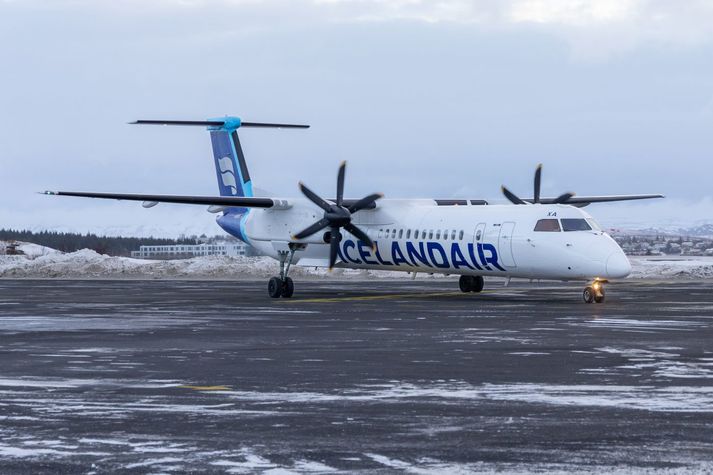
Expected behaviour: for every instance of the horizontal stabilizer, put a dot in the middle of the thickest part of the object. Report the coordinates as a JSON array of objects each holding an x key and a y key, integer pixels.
[{"x": 230, "y": 121}]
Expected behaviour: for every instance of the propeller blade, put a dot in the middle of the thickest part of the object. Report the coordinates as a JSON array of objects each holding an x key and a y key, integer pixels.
[
  {"x": 365, "y": 202},
  {"x": 315, "y": 198},
  {"x": 361, "y": 235},
  {"x": 333, "y": 245},
  {"x": 563, "y": 198},
  {"x": 512, "y": 196},
  {"x": 538, "y": 179},
  {"x": 310, "y": 230},
  {"x": 340, "y": 183}
]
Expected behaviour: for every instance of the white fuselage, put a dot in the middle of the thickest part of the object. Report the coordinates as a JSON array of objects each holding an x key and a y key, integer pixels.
[{"x": 421, "y": 236}]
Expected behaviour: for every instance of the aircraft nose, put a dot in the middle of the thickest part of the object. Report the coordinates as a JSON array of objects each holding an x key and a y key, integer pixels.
[{"x": 618, "y": 266}]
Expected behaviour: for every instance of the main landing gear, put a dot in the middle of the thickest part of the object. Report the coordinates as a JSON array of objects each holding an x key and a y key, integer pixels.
[
  {"x": 594, "y": 292},
  {"x": 471, "y": 283},
  {"x": 283, "y": 286}
]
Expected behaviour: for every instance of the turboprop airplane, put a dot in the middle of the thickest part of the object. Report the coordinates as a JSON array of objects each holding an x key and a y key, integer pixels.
[{"x": 534, "y": 238}]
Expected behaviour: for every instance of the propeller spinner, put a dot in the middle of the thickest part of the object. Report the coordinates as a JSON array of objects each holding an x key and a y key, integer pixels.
[
  {"x": 561, "y": 199},
  {"x": 337, "y": 216}
]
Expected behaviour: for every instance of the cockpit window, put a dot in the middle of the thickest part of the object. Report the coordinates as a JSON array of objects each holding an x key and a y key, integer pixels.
[
  {"x": 595, "y": 226},
  {"x": 575, "y": 224},
  {"x": 549, "y": 225}
]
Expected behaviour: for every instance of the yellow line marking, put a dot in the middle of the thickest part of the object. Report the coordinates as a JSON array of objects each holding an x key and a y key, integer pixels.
[
  {"x": 206, "y": 388},
  {"x": 377, "y": 297}
]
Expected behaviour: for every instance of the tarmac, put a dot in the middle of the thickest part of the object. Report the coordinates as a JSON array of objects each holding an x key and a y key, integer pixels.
[{"x": 153, "y": 376}]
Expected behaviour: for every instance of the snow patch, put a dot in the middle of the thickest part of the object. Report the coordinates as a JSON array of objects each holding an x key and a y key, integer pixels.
[
  {"x": 671, "y": 267},
  {"x": 89, "y": 264}
]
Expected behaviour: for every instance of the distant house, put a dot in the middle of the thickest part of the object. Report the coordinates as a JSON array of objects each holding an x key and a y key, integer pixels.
[{"x": 185, "y": 251}]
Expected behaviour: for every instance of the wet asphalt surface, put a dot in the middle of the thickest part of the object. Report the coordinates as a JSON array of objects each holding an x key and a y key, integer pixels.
[{"x": 175, "y": 376}]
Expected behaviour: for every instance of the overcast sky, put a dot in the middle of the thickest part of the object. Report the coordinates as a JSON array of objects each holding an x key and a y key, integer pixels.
[{"x": 424, "y": 99}]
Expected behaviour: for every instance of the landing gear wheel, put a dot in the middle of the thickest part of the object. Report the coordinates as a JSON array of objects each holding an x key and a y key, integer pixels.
[
  {"x": 466, "y": 283},
  {"x": 599, "y": 297},
  {"x": 274, "y": 287},
  {"x": 469, "y": 283},
  {"x": 588, "y": 295},
  {"x": 478, "y": 283},
  {"x": 288, "y": 288}
]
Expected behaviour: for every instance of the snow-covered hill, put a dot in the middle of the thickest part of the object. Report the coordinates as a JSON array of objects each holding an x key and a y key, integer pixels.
[
  {"x": 671, "y": 267},
  {"x": 89, "y": 264}
]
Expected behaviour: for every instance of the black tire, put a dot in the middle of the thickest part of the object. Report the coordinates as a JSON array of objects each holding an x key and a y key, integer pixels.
[
  {"x": 599, "y": 298},
  {"x": 288, "y": 288},
  {"x": 478, "y": 283},
  {"x": 588, "y": 295},
  {"x": 466, "y": 283},
  {"x": 274, "y": 287}
]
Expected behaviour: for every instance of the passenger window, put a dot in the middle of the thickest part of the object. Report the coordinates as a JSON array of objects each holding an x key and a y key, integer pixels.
[
  {"x": 415, "y": 234},
  {"x": 438, "y": 234},
  {"x": 460, "y": 235},
  {"x": 381, "y": 232},
  {"x": 453, "y": 235},
  {"x": 430, "y": 234},
  {"x": 401, "y": 233},
  {"x": 478, "y": 234},
  {"x": 547, "y": 225},
  {"x": 393, "y": 233},
  {"x": 408, "y": 234},
  {"x": 575, "y": 224}
]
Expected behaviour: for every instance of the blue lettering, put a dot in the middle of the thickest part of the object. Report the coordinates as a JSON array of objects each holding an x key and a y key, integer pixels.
[
  {"x": 482, "y": 257},
  {"x": 396, "y": 255},
  {"x": 493, "y": 258},
  {"x": 431, "y": 246},
  {"x": 457, "y": 258},
  {"x": 471, "y": 253},
  {"x": 347, "y": 244},
  {"x": 412, "y": 253},
  {"x": 364, "y": 252},
  {"x": 378, "y": 256}
]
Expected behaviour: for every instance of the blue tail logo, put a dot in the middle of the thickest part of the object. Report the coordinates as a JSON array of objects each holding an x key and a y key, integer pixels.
[
  {"x": 230, "y": 166},
  {"x": 227, "y": 174}
]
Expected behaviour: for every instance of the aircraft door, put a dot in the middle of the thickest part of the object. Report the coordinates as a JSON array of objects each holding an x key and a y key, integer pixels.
[{"x": 505, "y": 244}]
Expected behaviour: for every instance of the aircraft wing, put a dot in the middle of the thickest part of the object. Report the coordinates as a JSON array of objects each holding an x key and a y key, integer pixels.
[
  {"x": 227, "y": 201},
  {"x": 236, "y": 201},
  {"x": 581, "y": 201}
]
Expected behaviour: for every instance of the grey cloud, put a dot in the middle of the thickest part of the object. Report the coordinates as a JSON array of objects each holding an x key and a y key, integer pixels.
[{"x": 419, "y": 108}]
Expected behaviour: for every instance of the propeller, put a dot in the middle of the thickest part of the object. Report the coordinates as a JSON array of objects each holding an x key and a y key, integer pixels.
[
  {"x": 337, "y": 216},
  {"x": 563, "y": 198}
]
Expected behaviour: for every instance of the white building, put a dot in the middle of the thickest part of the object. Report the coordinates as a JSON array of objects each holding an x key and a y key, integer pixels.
[{"x": 179, "y": 251}]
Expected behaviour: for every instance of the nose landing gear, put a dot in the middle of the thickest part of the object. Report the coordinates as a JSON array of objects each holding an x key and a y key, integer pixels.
[
  {"x": 594, "y": 292},
  {"x": 470, "y": 283}
]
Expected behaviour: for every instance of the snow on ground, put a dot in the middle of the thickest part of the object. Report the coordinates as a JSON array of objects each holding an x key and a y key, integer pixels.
[
  {"x": 32, "y": 250},
  {"x": 671, "y": 267},
  {"x": 89, "y": 264},
  {"x": 43, "y": 262}
]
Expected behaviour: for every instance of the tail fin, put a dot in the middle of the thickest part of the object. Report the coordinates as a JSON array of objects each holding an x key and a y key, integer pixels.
[{"x": 230, "y": 166}]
